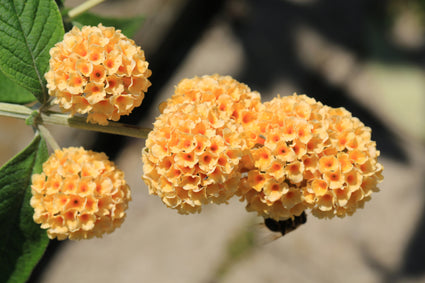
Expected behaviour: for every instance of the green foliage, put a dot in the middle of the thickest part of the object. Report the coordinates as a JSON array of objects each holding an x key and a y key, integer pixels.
[
  {"x": 28, "y": 29},
  {"x": 13, "y": 93},
  {"x": 22, "y": 242},
  {"x": 128, "y": 26}
]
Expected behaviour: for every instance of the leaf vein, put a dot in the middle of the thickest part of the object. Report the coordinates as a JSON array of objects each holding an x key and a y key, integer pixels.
[
  {"x": 43, "y": 90},
  {"x": 41, "y": 25},
  {"x": 17, "y": 54}
]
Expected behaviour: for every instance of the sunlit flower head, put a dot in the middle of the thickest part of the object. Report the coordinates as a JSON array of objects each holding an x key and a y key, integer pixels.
[
  {"x": 194, "y": 154},
  {"x": 347, "y": 171},
  {"x": 97, "y": 64},
  {"x": 79, "y": 195},
  {"x": 192, "y": 157},
  {"x": 278, "y": 141},
  {"x": 322, "y": 156}
]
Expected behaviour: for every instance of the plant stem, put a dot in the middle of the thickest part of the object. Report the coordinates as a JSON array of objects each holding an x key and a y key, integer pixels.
[
  {"x": 14, "y": 110},
  {"x": 83, "y": 7},
  {"x": 80, "y": 123},
  {"x": 51, "y": 118},
  {"x": 45, "y": 133}
]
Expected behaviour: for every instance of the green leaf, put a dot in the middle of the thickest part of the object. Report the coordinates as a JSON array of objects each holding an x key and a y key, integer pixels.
[
  {"x": 128, "y": 26},
  {"x": 13, "y": 93},
  {"x": 28, "y": 29},
  {"x": 22, "y": 242}
]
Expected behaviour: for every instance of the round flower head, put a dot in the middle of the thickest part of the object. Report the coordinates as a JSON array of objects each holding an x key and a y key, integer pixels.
[
  {"x": 80, "y": 194},
  {"x": 193, "y": 154},
  {"x": 191, "y": 158},
  {"x": 278, "y": 140},
  {"x": 304, "y": 155},
  {"x": 99, "y": 71},
  {"x": 346, "y": 171}
]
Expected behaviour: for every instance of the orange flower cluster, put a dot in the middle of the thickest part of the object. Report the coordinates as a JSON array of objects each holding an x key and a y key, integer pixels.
[
  {"x": 80, "y": 194},
  {"x": 99, "y": 71},
  {"x": 309, "y": 156},
  {"x": 232, "y": 99},
  {"x": 347, "y": 171},
  {"x": 278, "y": 146},
  {"x": 192, "y": 156},
  {"x": 215, "y": 139}
]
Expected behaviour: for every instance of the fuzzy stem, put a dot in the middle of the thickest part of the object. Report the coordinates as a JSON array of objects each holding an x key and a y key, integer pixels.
[
  {"x": 80, "y": 123},
  {"x": 14, "y": 110},
  {"x": 45, "y": 133},
  {"x": 51, "y": 118},
  {"x": 83, "y": 7}
]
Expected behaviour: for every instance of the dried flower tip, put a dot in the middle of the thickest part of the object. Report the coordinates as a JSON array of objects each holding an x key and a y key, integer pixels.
[
  {"x": 99, "y": 71},
  {"x": 79, "y": 195}
]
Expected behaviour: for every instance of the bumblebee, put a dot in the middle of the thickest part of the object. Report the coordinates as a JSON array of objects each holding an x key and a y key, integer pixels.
[{"x": 285, "y": 226}]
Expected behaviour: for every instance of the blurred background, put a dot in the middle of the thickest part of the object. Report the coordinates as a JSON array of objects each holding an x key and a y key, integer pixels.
[{"x": 365, "y": 55}]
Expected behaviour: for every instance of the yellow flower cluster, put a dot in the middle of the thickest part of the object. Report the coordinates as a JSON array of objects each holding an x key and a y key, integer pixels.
[
  {"x": 309, "y": 156},
  {"x": 278, "y": 146},
  {"x": 215, "y": 139},
  {"x": 232, "y": 99},
  {"x": 99, "y": 71},
  {"x": 347, "y": 170},
  {"x": 192, "y": 156},
  {"x": 80, "y": 194}
]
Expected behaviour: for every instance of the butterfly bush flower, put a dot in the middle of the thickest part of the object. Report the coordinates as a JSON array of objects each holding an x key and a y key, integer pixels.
[
  {"x": 279, "y": 140},
  {"x": 99, "y": 71},
  {"x": 79, "y": 195},
  {"x": 233, "y": 100},
  {"x": 346, "y": 171},
  {"x": 193, "y": 154},
  {"x": 214, "y": 138},
  {"x": 306, "y": 155}
]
